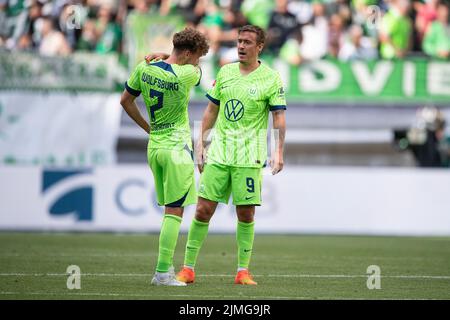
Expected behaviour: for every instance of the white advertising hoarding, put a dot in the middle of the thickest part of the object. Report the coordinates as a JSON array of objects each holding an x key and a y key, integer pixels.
[
  {"x": 59, "y": 129},
  {"x": 298, "y": 200}
]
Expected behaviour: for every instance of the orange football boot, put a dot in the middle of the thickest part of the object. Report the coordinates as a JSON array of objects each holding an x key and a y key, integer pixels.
[
  {"x": 244, "y": 277},
  {"x": 186, "y": 275}
]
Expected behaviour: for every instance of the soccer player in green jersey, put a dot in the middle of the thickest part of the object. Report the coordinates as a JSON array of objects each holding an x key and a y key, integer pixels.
[
  {"x": 165, "y": 87},
  {"x": 240, "y": 101}
]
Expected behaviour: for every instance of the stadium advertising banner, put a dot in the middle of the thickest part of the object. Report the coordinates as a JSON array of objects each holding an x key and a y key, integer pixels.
[
  {"x": 59, "y": 129},
  {"x": 324, "y": 200},
  {"x": 79, "y": 71},
  {"x": 416, "y": 80},
  {"x": 380, "y": 81}
]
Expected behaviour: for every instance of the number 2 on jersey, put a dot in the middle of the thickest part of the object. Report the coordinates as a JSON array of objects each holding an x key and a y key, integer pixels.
[{"x": 158, "y": 105}]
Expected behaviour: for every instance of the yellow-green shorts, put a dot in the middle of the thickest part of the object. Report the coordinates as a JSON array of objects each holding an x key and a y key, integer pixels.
[
  {"x": 173, "y": 172},
  {"x": 218, "y": 182}
]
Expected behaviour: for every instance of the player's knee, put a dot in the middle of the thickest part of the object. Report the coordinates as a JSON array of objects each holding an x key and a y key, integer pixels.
[
  {"x": 176, "y": 211},
  {"x": 245, "y": 214},
  {"x": 203, "y": 212},
  {"x": 247, "y": 218}
]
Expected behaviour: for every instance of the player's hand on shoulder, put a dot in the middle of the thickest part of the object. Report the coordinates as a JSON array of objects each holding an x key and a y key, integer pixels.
[{"x": 155, "y": 56}]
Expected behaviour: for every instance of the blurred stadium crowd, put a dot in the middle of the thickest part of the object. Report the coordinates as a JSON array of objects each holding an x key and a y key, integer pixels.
[{"x": 298, "y": 30}]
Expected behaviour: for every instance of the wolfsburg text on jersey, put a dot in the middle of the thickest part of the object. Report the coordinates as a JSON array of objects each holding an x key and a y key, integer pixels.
[{"x": 162, "y": 84}]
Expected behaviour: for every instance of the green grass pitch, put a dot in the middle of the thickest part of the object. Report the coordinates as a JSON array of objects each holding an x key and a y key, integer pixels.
[{"x": 33, "y": 266}]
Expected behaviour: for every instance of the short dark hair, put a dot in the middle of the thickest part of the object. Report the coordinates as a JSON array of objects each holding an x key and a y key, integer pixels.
[
  {"x": 260, "y": 33},
  {"x": 190, "y": 39}
]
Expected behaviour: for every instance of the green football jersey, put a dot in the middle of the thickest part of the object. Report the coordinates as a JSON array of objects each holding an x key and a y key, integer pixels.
[
  {"x": 399, "y": 29},
  {"x": 165, "y": 89},
  {"x": 240, "y": 132}
]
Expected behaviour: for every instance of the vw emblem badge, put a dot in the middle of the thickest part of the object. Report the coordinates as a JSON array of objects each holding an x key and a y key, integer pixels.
[{"x": 234, "y": 110}]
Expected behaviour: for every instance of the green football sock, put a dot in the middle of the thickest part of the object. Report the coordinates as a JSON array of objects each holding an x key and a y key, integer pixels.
[
  {"x": 244, "y": 236},
  {"x": 167, "y": 242},
  {"x": 197, "y": 233}
]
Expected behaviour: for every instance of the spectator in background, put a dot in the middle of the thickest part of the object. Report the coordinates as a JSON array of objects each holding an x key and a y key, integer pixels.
[
  {"x": 366, "y": 16},
  {"x": 335, "y": 35},
  {"x": 122, "y": 11},
  {"x": 71, "y": 18},
  {"x": 35, "y": 14},
  {"x": 25, "y": 43},
  {"x": 192, "y": 11},
  {"x": 234, "y": 20},
  {"x": 212, "y": 25},
  {"x": 57, "y": 7},
  {"x": 109, "y": 33},
  {"x": 140, "y": 6},
  {"x": 426, "y": 13},
  {"x": 53, "y": 42},
  {"x": 221, "y": 25},
  {"x": 143, "y": 7},
  {"x": 3, "y": 25},
  {"x": 340, "y": 7},
  {"x": 257, "y": 12},
  {"x": 356, "y": 46},
  {"x": 396, "y": 30},
  {"x": 302, "y": 10},
  {"x": 88, "y": 38},
  {"x": 437, "y": 38},
  {"x": 315, "y": 34},
  {"x": 290, "y": 51},
  {"x": 326, "y": 25},
  {"x": 13, "y": 21},
  {"x": 282, "y": 24},
  {"x": 360, "y": 10}
]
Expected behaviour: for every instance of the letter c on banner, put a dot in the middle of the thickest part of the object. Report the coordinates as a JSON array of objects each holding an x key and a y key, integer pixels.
[{"x": 119, "y": 197}]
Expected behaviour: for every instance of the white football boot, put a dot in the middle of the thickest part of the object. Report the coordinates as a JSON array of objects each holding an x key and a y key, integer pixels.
[
  {"x": 167, "y": 279},
  {"x": 172, "y": 271}
]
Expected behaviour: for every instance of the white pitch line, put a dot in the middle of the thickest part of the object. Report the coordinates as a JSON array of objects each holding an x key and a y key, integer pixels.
[
  {"x": 355, "y": 276},
  {"x": 439, "y": 277},
  {"x": 101, "y": 294}
]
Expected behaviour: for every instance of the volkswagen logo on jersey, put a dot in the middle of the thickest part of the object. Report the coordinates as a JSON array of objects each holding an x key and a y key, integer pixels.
[{"x": 234, "y": 110}]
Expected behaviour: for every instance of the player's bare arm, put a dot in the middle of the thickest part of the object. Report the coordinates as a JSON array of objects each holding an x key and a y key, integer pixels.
[
  {"x": 128, "y": 102},
  {"x": 208, "y": 121},
  {"x": 279, "y": 125}
]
